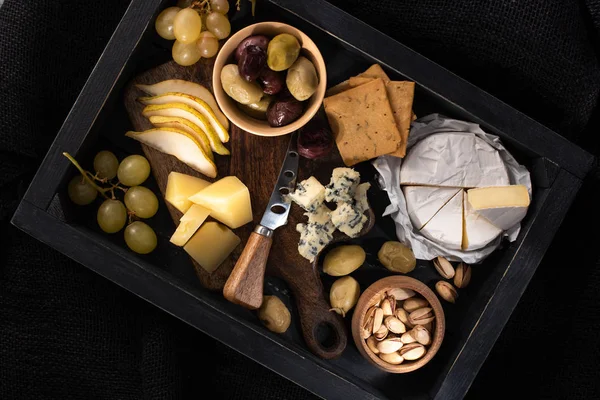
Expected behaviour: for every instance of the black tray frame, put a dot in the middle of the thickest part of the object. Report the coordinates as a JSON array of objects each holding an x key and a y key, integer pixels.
[{"x": 563, "y": 164}]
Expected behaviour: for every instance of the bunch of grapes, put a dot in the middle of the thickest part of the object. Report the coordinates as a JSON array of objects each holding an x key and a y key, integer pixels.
[
  {"x": 197, "y": 26},
  {"x": 140, "y": 202}
]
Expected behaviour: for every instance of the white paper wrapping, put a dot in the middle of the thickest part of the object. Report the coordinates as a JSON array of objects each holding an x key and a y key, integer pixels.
[{"x": 389, "y": 177}]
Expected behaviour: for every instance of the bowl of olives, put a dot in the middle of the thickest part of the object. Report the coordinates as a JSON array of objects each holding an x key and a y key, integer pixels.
[{"x": 269, "y": 79}]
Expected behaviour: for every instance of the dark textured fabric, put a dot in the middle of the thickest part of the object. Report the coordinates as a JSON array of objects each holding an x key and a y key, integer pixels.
[{"x": 68, "y": 333}]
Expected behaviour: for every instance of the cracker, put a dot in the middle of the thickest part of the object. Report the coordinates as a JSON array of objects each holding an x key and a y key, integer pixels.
[
  {"x": 400, "y": 95},
  {"x": 375, "y": 71},
  {"x": 362, "y": 122},
  {"x": 340, "y": 87}
]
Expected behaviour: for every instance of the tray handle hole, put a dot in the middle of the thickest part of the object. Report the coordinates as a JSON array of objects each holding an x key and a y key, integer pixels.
[{"x": 326, "y": 335}]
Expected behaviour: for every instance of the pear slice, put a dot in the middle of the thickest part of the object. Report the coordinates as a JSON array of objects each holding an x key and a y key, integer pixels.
[
  {"x": 184, "y": 111},
  {"x": 180, "y": 144},
  {"x": 196, "y": 103},
  {"x": 187, "y": 87},
  {"x": 187, "y": 126}
]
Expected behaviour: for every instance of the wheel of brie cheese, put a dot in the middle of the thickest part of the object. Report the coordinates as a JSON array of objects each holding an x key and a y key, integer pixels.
[{"x": 458, "y": 192}]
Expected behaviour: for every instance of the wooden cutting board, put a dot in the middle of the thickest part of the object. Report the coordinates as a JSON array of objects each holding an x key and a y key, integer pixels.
[{"x": 256, "y": 161}]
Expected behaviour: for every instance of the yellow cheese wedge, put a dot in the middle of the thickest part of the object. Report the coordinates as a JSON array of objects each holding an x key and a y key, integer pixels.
[
  {"x": 189, "y": 224},
  {"x": 180, "y": 187},
  {"x": 211, "y": 245},
  {"x": 228, "y": 200},
  {"x": 503, "y": 206}
]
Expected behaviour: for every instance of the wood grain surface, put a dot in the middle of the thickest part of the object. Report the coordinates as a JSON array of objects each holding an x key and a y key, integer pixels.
[{"x": 256, "y": 161}]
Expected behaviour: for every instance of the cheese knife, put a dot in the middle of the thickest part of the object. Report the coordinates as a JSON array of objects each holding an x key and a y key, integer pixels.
[{"x": 245, "y": 284}]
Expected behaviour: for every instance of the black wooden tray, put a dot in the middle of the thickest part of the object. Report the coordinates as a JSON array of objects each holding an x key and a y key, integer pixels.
[{"x": 166, "y": 279}]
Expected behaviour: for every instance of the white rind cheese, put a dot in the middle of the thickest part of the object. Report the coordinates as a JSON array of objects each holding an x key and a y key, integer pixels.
[
  {"x": 309, "y": 194},
  {"x": 422, "y": 202},
  {"x": 446, "y": 226},
  {"x": 343, "y": 185},
  {"x": 453, "y": 160},
  {"x": 312, "y": 240},
  {"x": 503, "y": 206},
  {"x": 348, "y": 220},
  {"x": 361, "y": 202},
  {"x": 478, "y": 232}
]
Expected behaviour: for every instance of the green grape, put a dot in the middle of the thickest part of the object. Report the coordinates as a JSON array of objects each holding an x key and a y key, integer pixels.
[
  {"x": 208, "y": 44},
  {"x": 218, "y": 24},
  {"x": 133, "y": 170},
  {"x": 80, "y": 191},
  {"x": 185, "y": 54},
  {"x": 184, "y": 3},
  {"x": 220, "y": 6},
  {"x": 106, "y": 164},
  {"x": 140, "y": 238},
  {"x": 164, "y": 23},
  {"x": 187, "y": 26},
  {"x": 141, "y": 201},
  {"x": 112, "y": 216}
]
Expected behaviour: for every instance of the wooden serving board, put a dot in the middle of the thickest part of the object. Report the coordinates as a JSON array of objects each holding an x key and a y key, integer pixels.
[{"x": 256, "y": 161}]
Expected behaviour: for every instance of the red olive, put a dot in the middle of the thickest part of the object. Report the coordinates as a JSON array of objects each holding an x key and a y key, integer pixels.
[
  {"x": 284, "y": 111},
  {"x": 314, "y": 140},
  {"x": 256, "y": 40},
  {"x": 252, "y": 62},
  {"x": 271, "y": 82}
]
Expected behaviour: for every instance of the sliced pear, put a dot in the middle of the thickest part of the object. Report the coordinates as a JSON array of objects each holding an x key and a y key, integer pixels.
[
  {"x": 180, "y": 144},
  {"x": 187, "y": 87},
  {"x": 184, "y": 111},
  {"x": 187, "y": 126},
  {"x": 196, "y": 103}
]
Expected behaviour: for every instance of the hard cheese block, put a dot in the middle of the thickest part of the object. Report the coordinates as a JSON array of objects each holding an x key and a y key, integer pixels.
[
  {"x": 503, "y": 206},
  {"x": 228, "y": 200},
  {"x": 423, "y": 202},
  {"x": 180, "y": 187},
  {"x": 211, "y": 245},
  {"x": 453, "y": 160},
  {"x": 189, "y": 224},
  {"x": 478, "y": 232},
  {"x": 446, "y": 226}
]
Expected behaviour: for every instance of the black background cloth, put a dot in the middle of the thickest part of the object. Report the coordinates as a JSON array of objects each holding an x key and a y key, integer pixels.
[{"x": 68, "y": 333}]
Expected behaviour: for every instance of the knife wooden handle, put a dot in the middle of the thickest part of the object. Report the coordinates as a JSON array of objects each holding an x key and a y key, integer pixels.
[{"x": 245, "y": 284}]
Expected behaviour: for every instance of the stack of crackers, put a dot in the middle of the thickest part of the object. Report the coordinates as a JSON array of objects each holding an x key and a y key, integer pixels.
[{"x": 370, "y": 115}]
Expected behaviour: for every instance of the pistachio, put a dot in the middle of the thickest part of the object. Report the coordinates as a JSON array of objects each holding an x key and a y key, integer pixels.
[
  {"x": 446, "y": 291},
  {"x": 381, "y": 333},
  {"x": 400, "y": 293},
  {"x": 367, "y": 328},
  {"x": 380, "y": 297},
  {"x": 407, "y": 338},
  {"x": 390, "y": 345},
  {"x": 394, "y": 325},
  {"x": 386, "y": 306},
  {"x": 428, "y": 326},
  {"x": 463, "y": 275},
  {"x": 443, "y": 267},
  {"x": 402, "y": 315},
  {"x": 414, "y": 303},
  {"x": 372, "y": 344},
  {"x": 392, "y": 358},
  {"x": 377, "y": 319},
  {"x": 421, "y": 335},
  {"x": 366, "y": 332},
  {"x": 412, "y": 351},
  {"x": 421, "y": 316}
]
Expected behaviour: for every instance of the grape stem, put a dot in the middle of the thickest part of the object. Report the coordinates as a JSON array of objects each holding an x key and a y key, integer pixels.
[
  {"x": 84, "y": 173},
  {"x": 202, "y": 6}
]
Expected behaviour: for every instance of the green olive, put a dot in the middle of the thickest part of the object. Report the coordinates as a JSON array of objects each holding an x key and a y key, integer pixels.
[
  {"x": 302, "y": 80},
  {"x": 238, "y": 88},
  {"x": 283, "y": 50},
  {"x": 344, "y": 294},
  {"x": 274, "y": 314},
  {"x": 343, "y": 260},
  {"x": 257, "y": 110},
  {"x": 397, "y": 257}
]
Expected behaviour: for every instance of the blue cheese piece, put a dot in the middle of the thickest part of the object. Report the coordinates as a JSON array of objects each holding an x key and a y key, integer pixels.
[
  {"x": 361, "y": 202},
  {"x": 321, "y": 217},
  {"x": 342, "y": 186},
  {"x": 309, "y": 194},
  {"x": 313, "y": 239},
  {"x": 348, "y": 220}
]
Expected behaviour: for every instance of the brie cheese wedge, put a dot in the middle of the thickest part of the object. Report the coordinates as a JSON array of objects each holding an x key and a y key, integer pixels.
[
  {"x": 422, "y": 202},
  {"x": 453, "y": 160},
  {"x": 478, "y": 232},
  {"x": 503, "y": 206},
  {"x": 446, "y": 226}
]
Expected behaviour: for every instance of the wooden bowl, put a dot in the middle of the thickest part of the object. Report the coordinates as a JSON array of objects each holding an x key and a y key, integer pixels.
[
  {"x": 371, "y": 295},
  {"x": 228, "y": 105}
]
